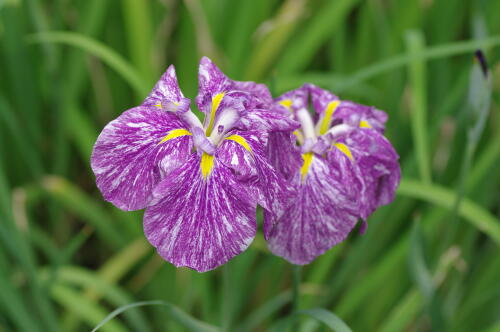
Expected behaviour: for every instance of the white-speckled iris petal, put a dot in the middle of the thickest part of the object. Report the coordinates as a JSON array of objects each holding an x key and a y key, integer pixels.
[
  {"x": 211, "y": 81},
  {"x": 353, "y": 113},
  {"x": 128, "y": 159},
  {"x": 376, "y": 163},
  {"x": 284, "y": 154},
  {"x": 293, "y": 100},
  {"x": 268, "y": 121},
  {"x": 254, "y": 172},
  {"x": 197, "y": 222},
  {"x": 320, "y": 216},
  {"x": 166, "y": 89},
  {"x": 259, "y": 92},
  {"x": 320, "y": 98}
]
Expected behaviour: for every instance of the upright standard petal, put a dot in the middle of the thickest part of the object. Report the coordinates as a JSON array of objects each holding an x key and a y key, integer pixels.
[
  {"x": 212, "y": 84},
  {"x": 201, "y": 217},
  {"x": 361, "y": 116},
  {"x": 375, "y": 162},
  {"x": 321, "y": 216},
  {"x": 259, "y": 92},
  {"x": 268, "y": 121},
  {"x": 167, "y": 91},
  {"x": 134, "y": 151},
  {"x": 293, "y": 100},
  {"x": 321, "y": 99}
]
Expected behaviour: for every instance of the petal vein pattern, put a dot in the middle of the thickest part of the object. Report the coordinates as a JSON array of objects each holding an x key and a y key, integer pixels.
[
  {"x": 200, "y": 223},
  {"x": 320, "y": 216},
  {"x": 128, "y": 160}
]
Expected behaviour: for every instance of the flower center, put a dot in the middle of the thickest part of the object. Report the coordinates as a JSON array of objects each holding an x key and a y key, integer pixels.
[
  {"x": 220, "y": 121},
  {"x": 216, "y": 100}
]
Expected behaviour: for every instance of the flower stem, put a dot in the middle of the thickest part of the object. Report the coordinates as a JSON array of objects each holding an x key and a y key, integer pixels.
[
  {"x": 296, "y": 269},
  {"x": 295, "y": 295},
  {"x": 226, "y": 298}
]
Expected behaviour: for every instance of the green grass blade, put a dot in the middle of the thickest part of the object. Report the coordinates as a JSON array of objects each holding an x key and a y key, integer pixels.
[
  {"x": 327, "y": 20},
  {"x": 89, "y": 311},
  {"x": 79, "y": 277},
  {"x": 403, "y": 313},
  {"x": 269, "y": 48},
  {"x": 264, "y": 311},
  {"x": 139, "y": 30},
  {"x": 430, "y": 53},
  {"x": 415, "y": 42},
  {"x": 184, "y": 319},
  {"x": 76, "y": 200},
  {"x": 438, "y": 195},
  {"x": 12, "y": 303},
  {"x": 322, "y": 315},
  {"x": 19, "y": 67},
  {"x": 99, "y": 50}
]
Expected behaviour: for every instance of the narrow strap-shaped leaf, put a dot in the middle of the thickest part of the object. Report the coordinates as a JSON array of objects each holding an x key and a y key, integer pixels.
[
  {"x": 444, "y": 197},
  {"x": 417, "y": 73},
  {"x": 192, "y": 324},
  {"x": 322, "y": 315},
  {"x": 96, "y": 48}
]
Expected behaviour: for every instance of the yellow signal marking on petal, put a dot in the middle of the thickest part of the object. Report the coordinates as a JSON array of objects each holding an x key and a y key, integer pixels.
[
  {"x": 287, "y": 103},
  {"x": 160, "y": 106},
  {"x": 174, "y": 134},
  {"x": 364, "y": 124},
  {"x": 299, "y": 136},
  {"x": 206, "y": 164},
  {"x": 345, "y": 150},
  {"x": 308, "y": 158},
  {"x": 216, "y": 100},
  {"x": 241, "y": 141},
  {"x": 330, "y": 109}
]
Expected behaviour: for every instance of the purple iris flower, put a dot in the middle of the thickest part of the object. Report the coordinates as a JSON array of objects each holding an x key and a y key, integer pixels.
[
  {"x": 199, "y": 182},
  {"x": 341, "y": 166}
]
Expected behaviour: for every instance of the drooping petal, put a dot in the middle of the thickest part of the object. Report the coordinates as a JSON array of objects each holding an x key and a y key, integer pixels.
[
  {"x": 375, "y": 162},
  {"x": 200, "y": 220},
  {"x": 320, "y": 216},
  {"x": 245, "y": 153},
  {"x": 134, "y": 151},
  {"x": 167, "y": 91},
  {"x": 284, "y": 154}
]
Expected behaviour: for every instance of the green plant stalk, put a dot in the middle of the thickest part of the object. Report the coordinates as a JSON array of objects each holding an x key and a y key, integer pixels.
[
  {"x": 100, "y": 50},
  {"x": 415, "y": 42},
  {"x": 480, "y": 90},
  {"x": 139, "y": 30},
  {"x": 429, "y": 53},
  {"x": 227, "y": 298},
  {"x": 295, "y": 305},
  {"x": 438, "y": 195},
  {"x": 268, "y": 49}
]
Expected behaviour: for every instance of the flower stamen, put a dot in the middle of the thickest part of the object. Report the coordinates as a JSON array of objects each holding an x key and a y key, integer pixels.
[
  {"x": 327, "y": 118},
  {"x": 216, "y": 100}
]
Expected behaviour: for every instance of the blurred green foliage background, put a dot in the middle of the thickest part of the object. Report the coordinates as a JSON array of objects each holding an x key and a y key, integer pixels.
[{"x": 428, "y": 262}]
